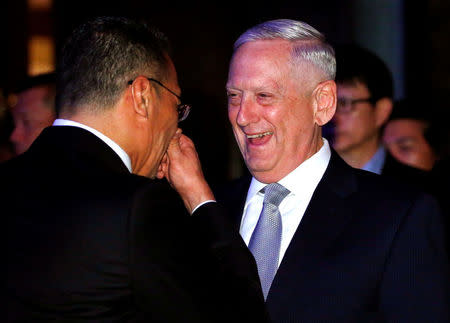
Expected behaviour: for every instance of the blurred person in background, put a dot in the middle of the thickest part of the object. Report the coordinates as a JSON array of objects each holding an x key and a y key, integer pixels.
[
  {"x": 33, "y": 111},
  {"x": 6, "y": 127},
  {"x": 406, "y": 135},
  {"x": 364, "y": 104}
]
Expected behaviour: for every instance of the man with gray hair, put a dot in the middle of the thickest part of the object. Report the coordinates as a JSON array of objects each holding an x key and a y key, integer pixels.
[{"x": 332, "y": 243}]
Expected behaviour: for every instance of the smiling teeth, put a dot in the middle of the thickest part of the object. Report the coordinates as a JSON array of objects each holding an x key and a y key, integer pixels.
[{"x": 260, "y": 135}]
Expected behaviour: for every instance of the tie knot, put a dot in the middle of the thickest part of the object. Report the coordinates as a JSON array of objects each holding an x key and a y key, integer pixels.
[{"x": 274, "y": 193}]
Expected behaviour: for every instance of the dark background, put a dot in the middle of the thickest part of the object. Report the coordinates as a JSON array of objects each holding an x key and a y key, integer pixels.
[{"x": 202, "y": 34}]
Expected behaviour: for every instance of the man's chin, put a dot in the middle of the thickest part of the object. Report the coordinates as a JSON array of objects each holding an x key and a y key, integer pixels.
[{"x": 339, "y": 144}]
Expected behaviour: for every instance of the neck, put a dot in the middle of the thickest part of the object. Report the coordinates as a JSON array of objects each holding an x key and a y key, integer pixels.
[
  {"x": 275, "y": 175},
  {"x": 357, "y": 157},
  {"x": 106, "y": 122}
]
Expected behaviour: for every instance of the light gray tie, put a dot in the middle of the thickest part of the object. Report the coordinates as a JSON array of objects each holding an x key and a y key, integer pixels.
[{"x": 266, "y": 238}]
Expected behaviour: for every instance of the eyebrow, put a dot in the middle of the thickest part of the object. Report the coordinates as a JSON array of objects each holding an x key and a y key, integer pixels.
[{"x": 404, "y": 139}]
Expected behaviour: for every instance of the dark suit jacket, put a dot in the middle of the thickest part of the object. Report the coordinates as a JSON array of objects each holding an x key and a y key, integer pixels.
[
  {"x": 439, "y": 186},
  {"x": 367, "y": 250},
  {"x": 404, "y": 173},
  {"x": 89, "y": 242}
]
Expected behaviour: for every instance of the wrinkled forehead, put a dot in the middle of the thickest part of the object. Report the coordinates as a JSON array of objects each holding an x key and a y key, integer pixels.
[
  {"x": 269, "y": 64},
  {"x": 260, "y": 59},
  {"x": 406, "y": 126}
]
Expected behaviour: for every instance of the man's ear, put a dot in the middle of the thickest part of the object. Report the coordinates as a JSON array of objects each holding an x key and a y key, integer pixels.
[
  {"x": 383, "y": 109},
  {"x": 324, "y": 96},
  {"x": 141, "y": 93}
]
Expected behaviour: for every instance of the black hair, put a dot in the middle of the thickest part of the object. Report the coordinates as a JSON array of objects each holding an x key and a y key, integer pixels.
[
  {"x": 414, "y": 108},
  {"x": 44, "y": 79},
  {"x": 101, "y": 56},
  {"x": 356, "y": 64}
]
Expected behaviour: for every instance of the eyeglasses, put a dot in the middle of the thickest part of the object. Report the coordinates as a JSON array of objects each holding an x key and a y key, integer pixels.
[
  {"x": 346, "y": 105},
  {"x": 182, "y": 109}
]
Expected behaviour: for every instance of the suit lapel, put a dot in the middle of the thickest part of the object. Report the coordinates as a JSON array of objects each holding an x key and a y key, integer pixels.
[{"x": 325, "y": 218}]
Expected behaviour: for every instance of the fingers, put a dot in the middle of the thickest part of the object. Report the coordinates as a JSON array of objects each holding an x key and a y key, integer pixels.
[
  {"x": 186, "y": 141},
  {"x": 173, "y": 150},
  {"x": 163, "y": 167},
  {"x": 187, "y": 146}
]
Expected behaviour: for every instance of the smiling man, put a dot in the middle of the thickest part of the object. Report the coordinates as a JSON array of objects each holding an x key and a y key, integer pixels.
[
  {"x": 332, "y": 243},
  {"x": 274, "y": 141}
]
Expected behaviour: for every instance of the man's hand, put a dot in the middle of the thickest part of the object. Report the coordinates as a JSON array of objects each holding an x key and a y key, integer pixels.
[{"x": 181, "y": 167}]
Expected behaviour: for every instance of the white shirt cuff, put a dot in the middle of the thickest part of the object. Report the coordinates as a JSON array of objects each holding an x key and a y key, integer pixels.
[{"x": 208, "y": 201}]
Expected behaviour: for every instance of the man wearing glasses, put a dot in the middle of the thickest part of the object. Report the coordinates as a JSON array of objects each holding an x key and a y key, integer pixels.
[
  {"x": 365, "y": 101},
  {"x": 88, "y": 239}
]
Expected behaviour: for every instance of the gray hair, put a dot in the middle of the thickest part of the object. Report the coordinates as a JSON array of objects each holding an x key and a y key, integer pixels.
[{"x": 309, "y": 44}]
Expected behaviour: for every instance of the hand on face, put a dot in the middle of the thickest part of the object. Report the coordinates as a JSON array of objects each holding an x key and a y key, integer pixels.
[{"x": 181, "y": 167}]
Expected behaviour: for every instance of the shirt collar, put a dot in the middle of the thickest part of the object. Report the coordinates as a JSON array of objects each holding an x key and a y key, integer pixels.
[
  {"x": 114, "y": 146},
  {"x": 375, "y": 164},
  {"x": 310, "y": 171}
]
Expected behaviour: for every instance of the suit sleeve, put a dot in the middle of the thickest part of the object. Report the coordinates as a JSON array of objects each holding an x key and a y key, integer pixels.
[
  {"x": 416, "y": 284},
  {"x": 198, "y": 262},
  {"x": 236, "y": 273}
]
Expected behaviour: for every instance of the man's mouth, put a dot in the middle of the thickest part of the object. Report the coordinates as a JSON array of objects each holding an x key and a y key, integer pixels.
[
  {"x": 259, "y": 135},
  {"x": 259, "y": 138}
]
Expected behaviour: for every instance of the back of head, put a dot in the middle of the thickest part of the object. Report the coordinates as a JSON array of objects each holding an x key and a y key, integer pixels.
[
  {"x": 309, "y": 44},
  {"x": 101, "y": 56},
  {"x": 358, "y": 65}
]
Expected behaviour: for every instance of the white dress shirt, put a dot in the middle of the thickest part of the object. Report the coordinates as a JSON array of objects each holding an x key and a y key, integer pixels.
[
  {"x": 119, "y": 151},
  {"x": 302, "y": 183}
]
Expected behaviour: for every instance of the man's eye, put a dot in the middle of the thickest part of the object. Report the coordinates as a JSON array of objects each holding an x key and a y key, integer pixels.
[
  {"x": 233, "y": 98},
  {"x": 231, "y": 95},
  {"x": 265, "y": 98},
  {"x": 405, "y": 149}
]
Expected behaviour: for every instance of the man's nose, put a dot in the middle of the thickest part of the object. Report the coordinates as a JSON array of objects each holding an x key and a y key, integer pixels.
[
  {"x": 248, "y": 112},
  {"x": 17, "y": 134}
]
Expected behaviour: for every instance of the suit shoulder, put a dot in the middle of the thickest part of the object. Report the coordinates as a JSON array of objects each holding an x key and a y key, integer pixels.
[
  {"x": 386, "y": 190},
  {"x": 233, "y": 190},
  {"x": 374, "y": 182},
  {"x": 404, "y": 173}
]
